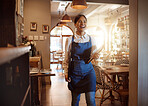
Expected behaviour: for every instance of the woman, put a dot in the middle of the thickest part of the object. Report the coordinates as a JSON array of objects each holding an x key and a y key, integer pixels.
[{"x": 79, "y": 72}]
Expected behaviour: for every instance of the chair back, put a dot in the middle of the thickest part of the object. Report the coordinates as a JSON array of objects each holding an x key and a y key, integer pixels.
[
  {"x": 122, "y": 61},
  {"x": 98, "y": 75}
]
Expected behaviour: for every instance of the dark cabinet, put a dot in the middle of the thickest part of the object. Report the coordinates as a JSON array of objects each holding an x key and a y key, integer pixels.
[{"x": 14, "y": 76}]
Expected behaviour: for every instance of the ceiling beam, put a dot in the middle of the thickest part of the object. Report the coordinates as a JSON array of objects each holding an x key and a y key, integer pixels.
[{"x": 126, "y": 2}]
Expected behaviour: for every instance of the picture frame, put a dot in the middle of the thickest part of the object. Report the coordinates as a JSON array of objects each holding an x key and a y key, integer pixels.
[
  {"x": 45, "y": 28},
  {"x": 33, "y": 26}
]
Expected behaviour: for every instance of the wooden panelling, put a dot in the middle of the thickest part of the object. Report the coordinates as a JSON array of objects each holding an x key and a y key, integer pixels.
[
  {"x": 14, "y": 61},
  {"x": 14, "y": 79},
  {"x": 133, "y": 51}
]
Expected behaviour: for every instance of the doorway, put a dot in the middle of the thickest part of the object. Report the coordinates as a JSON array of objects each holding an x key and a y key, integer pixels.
[{"x": 58, "y": 36}]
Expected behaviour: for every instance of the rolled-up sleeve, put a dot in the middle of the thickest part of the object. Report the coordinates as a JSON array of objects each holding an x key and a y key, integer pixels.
[{"x": 67, "y": 55}]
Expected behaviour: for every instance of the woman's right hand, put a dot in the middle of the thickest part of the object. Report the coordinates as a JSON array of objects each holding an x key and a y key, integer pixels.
[{"x": 67, "y": 79}]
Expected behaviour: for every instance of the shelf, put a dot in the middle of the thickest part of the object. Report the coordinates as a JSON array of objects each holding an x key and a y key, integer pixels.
[{"x": 7, "y": 54}]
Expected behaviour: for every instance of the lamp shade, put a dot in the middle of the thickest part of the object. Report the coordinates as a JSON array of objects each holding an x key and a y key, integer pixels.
[
  {"x": 79, "y": 4},
  {"x": 66, "y": 18},
  {"x": 60, "y": 24}
]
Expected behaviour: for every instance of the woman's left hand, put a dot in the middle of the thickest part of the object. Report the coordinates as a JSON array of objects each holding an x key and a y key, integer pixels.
[
  {"x": 96, "y": 56},
  {"x": 97, "y": 53}
]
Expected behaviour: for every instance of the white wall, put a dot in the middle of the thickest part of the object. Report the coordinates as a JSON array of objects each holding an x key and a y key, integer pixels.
[{"x": 38, "y": 11}]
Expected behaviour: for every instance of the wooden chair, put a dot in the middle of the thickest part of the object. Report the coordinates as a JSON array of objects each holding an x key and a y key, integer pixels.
[{"x": 103, "y": 85}]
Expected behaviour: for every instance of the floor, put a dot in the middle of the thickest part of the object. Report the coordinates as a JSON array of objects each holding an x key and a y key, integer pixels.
[{"x": 57, "y": 94}]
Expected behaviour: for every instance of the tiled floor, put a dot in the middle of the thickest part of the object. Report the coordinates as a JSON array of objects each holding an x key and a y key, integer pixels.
[{"x": 57, "y": 94}]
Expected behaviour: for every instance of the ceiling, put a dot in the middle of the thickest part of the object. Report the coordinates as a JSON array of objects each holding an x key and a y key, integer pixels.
[
  {"x": 93, "y": 9},
  {"x": 60, "y": 6}
]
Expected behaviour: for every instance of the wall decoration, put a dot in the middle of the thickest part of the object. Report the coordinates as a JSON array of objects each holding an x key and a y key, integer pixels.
[
  {"x": 45, "y": 28},
  {"x": 33, "y": 26}
]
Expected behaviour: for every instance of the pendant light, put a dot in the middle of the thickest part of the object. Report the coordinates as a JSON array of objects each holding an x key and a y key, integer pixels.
[
  {"x": 60, "y": 24},
  {"x": 66, "y": 18},
  {"x": 79, "y": 4}
]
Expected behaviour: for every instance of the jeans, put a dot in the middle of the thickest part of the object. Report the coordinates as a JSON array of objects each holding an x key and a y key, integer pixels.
[{"x": 89, "y": 96}]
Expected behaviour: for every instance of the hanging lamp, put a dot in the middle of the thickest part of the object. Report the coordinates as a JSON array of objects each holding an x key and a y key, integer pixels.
[
  {"x": 79, "y": 4},
  {"x": 60, "y": 24},
  {"x": 66, "y": 18}
]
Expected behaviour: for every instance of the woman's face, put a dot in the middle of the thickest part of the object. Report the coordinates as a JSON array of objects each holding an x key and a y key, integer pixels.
[{"x": 81, "y": 24}]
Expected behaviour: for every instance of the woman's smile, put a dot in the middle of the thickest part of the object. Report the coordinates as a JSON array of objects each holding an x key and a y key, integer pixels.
[{"x": 82, "y": 26}]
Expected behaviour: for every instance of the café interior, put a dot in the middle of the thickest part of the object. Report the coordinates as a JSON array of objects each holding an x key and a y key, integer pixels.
[{"x": 33, "y": 50}]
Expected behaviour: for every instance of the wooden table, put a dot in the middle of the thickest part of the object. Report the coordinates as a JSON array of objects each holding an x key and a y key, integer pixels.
[
  {"x": 42, "y": 74},
  {"x": 36, "y": 86},
  {"x": 36, "y": 82},
  {"x": 116, "y": 71}
]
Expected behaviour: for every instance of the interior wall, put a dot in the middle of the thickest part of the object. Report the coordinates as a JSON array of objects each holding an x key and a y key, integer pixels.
[
  {"x": 142, "y": 53},
  {"x": 54, "y": 21},
  {"x": 133, "y": 53},
  {"x": 38, "y": 11}
]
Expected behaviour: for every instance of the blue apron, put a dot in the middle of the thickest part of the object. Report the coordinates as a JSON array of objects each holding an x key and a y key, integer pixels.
[{"x": 81, "y": 73}]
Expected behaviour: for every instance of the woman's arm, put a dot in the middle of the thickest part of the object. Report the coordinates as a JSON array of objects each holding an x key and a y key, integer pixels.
[
  {"x": 67, "y": 56},
  {"x": 66, "y": 59}
]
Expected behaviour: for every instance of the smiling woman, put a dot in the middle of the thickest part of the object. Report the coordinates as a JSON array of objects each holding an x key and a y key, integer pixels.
[{"x": 79, "y": 73}]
